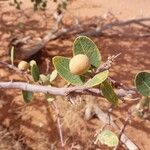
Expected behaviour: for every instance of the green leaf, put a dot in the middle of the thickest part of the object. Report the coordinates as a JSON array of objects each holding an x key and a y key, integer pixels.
[
  {"x": 53, "y": 75},
  {"x": 142, "y": 82},
  {"x": 12, "y": 55},
  {"x": 108, "y": 138},
  {"x": 109, "y": 93},
  {"x": 27, "y": 96},
  {"x": 61, "y": 64},
  {"x": 35, "y": 72},
  {"x": 84, "y": 45},
  {"x": 97, "y": 79}
]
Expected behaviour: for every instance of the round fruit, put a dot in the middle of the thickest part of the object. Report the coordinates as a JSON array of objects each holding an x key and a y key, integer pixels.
[
  {"x": 23, "y": 65},
  {"x": 79, "y": 64}
]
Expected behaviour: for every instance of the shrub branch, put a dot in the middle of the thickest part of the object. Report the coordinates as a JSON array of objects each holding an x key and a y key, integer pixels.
[{"x": 62, "y": 91}]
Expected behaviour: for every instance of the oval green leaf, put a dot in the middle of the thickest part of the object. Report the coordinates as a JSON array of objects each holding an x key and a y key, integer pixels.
[
  {"x": 109, "y": 93},
  {"x": 27, "y": 96},
  {"x": 61, "y": 64},
  {"x": 108, "y": 138},
  {"x": 142, "y": 82},
  {"x": 84, "y": 45},
  {"x": 97, "y": 79},
  {"x": 35, "y": 72}
]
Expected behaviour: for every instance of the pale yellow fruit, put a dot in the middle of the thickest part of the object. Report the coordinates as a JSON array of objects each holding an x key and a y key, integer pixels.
[
  {"x": 23, "y": 65},
  {"x": 79, "y": 64}
]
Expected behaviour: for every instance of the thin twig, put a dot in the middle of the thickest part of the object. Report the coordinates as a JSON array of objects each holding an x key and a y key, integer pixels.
[
  {"x": 57, "y": 91},
  {"x": 123, "y": 129},
  {"x": 107, "y": 65},
  {"x": 117, "y": 84},
  {"x": 108, "y": 119},
  {"x": 10, "y": 66},
  {"x": 59, "y": 124},
  {"x": 22, "y": 73}
]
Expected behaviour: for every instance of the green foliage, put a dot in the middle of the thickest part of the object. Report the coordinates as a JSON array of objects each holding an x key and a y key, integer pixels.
[
  {"x": 142, "y": 82},
  {"x": 27, "y": 96},
  {"x": 97, "y": 79},
  {"x": 108, "y": 138},
  {"x": 37, "y": 4},
  {"x": 62, "y": 5},
  {"x": 61, "y": 64},
  {"x": 109, "y": 93},
  {"x": 35, "y": 71},
  {"x": 84, "y": 45},
  {"x": 41, "y": 4},
  {"x": 16, "y": 3}
]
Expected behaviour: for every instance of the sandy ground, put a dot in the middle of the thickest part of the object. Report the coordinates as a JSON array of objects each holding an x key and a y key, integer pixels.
[{"x": 31, "y": 126}]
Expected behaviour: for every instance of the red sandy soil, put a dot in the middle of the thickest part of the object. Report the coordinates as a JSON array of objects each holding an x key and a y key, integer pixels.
[{"x": 33, "y": 126}]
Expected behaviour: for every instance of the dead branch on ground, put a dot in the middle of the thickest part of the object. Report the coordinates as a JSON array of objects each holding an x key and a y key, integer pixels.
[{"x": 77, "y": 28}]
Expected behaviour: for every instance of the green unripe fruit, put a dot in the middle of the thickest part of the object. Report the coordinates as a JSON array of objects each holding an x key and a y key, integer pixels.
[
  {"x": 23, "y": 65},
  {"x": 79, "y": 64}
]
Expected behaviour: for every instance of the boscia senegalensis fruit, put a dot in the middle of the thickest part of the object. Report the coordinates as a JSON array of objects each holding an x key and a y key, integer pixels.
[
  {"x": 79, "y": 64},
  {"x": 23, "y": 65}
]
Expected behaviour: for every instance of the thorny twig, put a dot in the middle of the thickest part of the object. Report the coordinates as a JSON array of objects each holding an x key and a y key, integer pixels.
[
  {"x": 10, "y": 66},
  {"x": 107, "y": 65},
  {"x": 56, "y": 90},
  {"x": 127, "y": 120},
  {"x": 77, "y": 90},
  {"x": 117, "y": 84},
  {"x": 59, "y": 124},
  {"x": 59, "y": 91}
]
